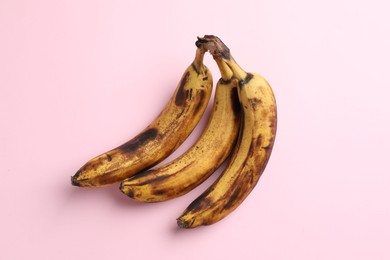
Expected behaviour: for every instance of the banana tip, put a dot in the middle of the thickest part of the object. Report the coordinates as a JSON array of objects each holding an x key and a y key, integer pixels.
[
  {"x": 74, "y": 181},
  {"x": 183, "y": 223},
  {"x": 123, "y": 188}
]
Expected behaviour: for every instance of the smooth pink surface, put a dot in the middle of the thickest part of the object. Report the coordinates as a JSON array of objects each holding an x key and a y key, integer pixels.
[{"x": 80, "y": 77}]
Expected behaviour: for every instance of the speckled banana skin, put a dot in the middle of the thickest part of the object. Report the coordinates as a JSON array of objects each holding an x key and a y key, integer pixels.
[
  {"x": 252, "y": 151},
  {"x": 183, "y": 174},
  {"x": 158, "y": 140}
]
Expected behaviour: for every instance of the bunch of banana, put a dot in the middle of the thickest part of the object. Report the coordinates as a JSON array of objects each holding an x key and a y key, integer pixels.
[
  {"x": 242, "y": 124},
  {"x": 158, "y": 140}
]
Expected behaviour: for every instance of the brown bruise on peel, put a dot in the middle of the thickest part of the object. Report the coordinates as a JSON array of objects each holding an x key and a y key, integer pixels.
[
  {"x": 152, "y": 180},
  {"x": 199, "y": 106},
  {"x": 199, "y": 204},
  {"x": 158, "y": 192},
  {"x": 255, "y": 102},
  {"x": 239, "y": 189},
  {"x": 140, "y": 175},
  {"x": 156, "y": 180},
  {"x": 195, "y": 68},
  {"x": 181, "y": 94},
  {"x": 273, "y": 123},
  {"x": 232, "y": 198},
  {"x": 242, "y": 124},
  {"x": 235, "y": 101},
  {"x": 139, "y": 141},
  {"x": 189, "y": 95},
  {"x": 129, "y": 193},
  {"x": 243, "y": 185}
]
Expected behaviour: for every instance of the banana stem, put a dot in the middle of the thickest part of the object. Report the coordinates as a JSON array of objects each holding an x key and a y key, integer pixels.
[
  {"x": 238, "y": 72},
  {"x": 198, "y": 61},
  {"x": 226, "y": 72}
]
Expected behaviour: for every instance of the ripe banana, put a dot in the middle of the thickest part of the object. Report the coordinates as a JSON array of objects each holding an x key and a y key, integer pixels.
[
  {"x": 252, "y": 151},
  {"x": 183, "y": 174},
  {"x": 158, "y": 140}
]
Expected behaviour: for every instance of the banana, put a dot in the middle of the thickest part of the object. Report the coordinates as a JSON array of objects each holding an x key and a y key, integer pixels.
[
  {"x": 158, "y": 140},
  {"x": 183, "y": 174},
  {"x": 252, "y": 151}
]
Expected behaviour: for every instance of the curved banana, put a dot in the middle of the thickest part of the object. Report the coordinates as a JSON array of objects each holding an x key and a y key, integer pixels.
[
  {"x": 183, "y": 174},
  {"x": 158, "y": 140},
  {"x": 253, "y": 149}
]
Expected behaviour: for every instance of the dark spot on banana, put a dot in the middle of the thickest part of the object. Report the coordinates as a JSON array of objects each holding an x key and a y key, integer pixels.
[
  {"x": 141, "y": 175},
  {"x": 195, "y": 68},
  {"x": 270, "y": 145},
  {"x": 243, "y": 82},
  {"x": 189, "y": 94},
  {"x": 255, "y": 102},
  {"x": 232, "y": 198},
  {"x": 140, "y": 140},
  {"x": 180, "y": 98},
  {"x": 153, "y": 179},
  {"x": 160, "y": 192},
  {"x": 199, "y": 203},
  {"x": 179, "y": 114},
  {"x": 267, "y": 147},
  {"x": 235, "y": 100},
  {"x": 259, "y": 141},
  {"x": 250, "y": 175},
  {"x": 130, "y": 193},
  {"x": 273, "y": 122},
  {"x": 109, "y": 158},
  {"x": 240, "y": 134},
  {"x": 202, "y": 95},
  {"x": 205, "y": 78},
  {"x": 253, "y": 148}
]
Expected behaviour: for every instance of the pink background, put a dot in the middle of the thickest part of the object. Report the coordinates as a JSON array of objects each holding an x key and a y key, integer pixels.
[{"x": 80, "y": 77}]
